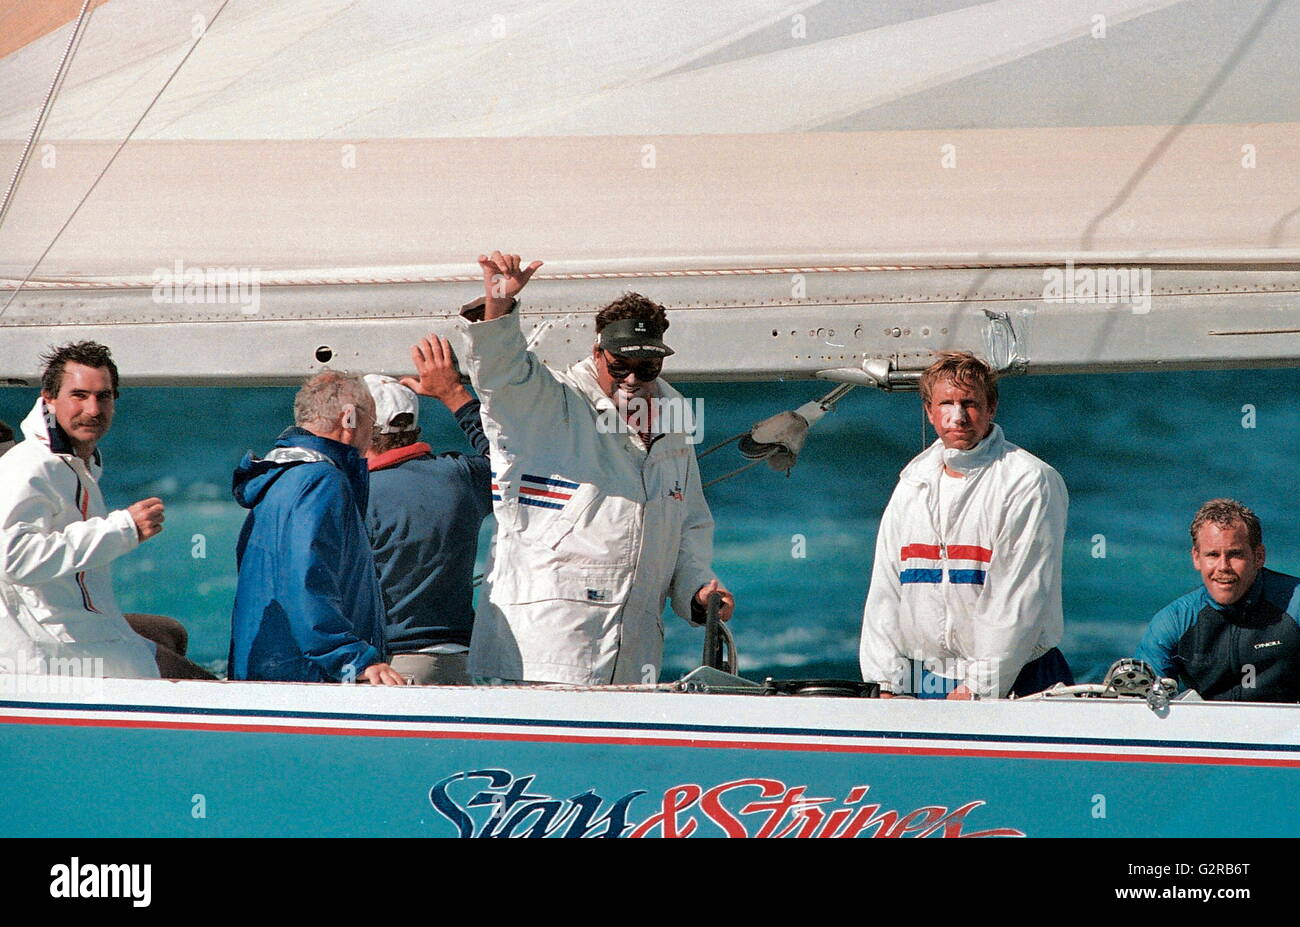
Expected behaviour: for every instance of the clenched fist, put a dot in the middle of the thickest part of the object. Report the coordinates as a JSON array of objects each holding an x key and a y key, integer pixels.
[{"x": 148, "y": 516}]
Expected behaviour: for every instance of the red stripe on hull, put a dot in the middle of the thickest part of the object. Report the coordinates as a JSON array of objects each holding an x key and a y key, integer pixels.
[{"x": 666, "y": 742}]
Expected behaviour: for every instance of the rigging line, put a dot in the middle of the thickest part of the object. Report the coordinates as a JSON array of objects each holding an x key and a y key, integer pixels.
[
  {"x": 1149, "y": 162},
  {"x": 116, "y": 152},
  {"x": 720, "y": 444},
  {"x": 737, "y": 472},
  {"x": 1167, "y": 140},
  {"x": 74, "y": 40}
]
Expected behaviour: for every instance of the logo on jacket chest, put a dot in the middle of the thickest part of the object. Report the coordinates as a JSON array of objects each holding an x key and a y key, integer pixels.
[{"x": 965, "y": 564}]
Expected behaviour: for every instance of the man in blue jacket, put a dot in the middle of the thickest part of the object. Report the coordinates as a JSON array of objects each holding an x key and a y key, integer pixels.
[
  {"x": 424, "y": 516},
  {"x": 307, "y": 605},
  {"x": 1236, "y": 637}
]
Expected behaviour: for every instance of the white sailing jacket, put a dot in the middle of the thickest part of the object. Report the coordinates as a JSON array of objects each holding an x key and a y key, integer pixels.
[
  {"x": 593, "y": 533},
  {"x": 981, "y": 593},
  {"x": 57, "y": 540}
]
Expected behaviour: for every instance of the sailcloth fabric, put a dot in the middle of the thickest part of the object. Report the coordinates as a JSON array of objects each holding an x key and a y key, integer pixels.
[{"x": 332, "y": 140}]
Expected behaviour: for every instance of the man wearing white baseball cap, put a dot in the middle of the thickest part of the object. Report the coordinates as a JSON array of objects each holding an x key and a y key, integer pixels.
[{"x": 423, "y": 516}]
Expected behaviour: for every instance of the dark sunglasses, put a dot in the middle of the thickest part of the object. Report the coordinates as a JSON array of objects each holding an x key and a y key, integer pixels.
[{"x": 620, "y": 367}]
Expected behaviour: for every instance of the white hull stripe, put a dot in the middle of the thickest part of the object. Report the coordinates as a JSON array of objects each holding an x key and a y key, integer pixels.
[{"x": 707, "y": 736}]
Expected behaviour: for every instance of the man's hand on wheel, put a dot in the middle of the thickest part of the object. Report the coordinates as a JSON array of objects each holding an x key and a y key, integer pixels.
[{"x": 725, "y": 608}]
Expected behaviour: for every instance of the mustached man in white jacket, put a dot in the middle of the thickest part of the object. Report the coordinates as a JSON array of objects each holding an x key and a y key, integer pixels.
[
  {"x": 600, "y": 514},
  {"x": 58, "y": 615},
  {"x": 965, "y": 595}
]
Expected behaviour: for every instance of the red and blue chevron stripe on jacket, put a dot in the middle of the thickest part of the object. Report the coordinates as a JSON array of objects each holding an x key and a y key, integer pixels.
[
  {"x": 924, "y": 563},
  {"x": 82, "y": 499},
  {"x": 544, "y": 491}
]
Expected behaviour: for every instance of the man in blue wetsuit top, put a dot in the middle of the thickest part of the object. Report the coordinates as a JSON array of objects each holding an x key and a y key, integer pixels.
[
  {"x": 307, "y": 604},
  {"x": 1236, "y": 637}
]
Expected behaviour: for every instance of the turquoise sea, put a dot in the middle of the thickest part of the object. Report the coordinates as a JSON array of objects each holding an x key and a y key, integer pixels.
[{"x": 1139, "y": 453}]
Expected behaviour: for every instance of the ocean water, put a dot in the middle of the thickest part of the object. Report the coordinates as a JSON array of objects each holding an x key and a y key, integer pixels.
[{"x": 1139, "y": 453}]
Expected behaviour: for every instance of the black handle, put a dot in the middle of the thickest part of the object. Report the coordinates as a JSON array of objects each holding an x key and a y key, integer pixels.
[{"x": 712, "y": 632}]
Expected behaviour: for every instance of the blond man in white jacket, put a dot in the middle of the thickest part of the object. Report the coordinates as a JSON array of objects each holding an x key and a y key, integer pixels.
[
  {"x": 58, "y": 614},
  {"x": 600, "y": 519},
  {"x": 965, "y": 597}
]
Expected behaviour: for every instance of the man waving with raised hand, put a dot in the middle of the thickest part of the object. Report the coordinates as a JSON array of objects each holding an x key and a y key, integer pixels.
[{"x": 600, "y": 515}]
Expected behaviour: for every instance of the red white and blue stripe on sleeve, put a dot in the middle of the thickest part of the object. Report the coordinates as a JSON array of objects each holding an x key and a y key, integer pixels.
[
  {"x": 924, "y": 563},
  {"x": 544, "y": 492}
]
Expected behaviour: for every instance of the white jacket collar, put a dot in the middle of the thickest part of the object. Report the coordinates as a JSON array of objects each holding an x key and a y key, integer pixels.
[
  {"x": 40, "y": 424},
  {"x": 926, "y": 466},
  {"x": 583, "y": 376}
]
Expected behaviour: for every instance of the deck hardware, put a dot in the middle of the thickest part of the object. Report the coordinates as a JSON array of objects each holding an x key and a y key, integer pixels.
[
  {"x": 1006, "y": 342},
  {"x": 879, "y": 372}
]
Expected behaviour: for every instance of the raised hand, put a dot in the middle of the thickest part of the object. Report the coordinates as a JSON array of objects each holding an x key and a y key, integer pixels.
[
  {"x": 436, "y": 375},
  {"x": 503, "y": 278}
]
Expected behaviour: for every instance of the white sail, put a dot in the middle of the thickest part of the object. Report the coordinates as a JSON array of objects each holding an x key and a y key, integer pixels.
[{"x": 783, "y": 171}]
